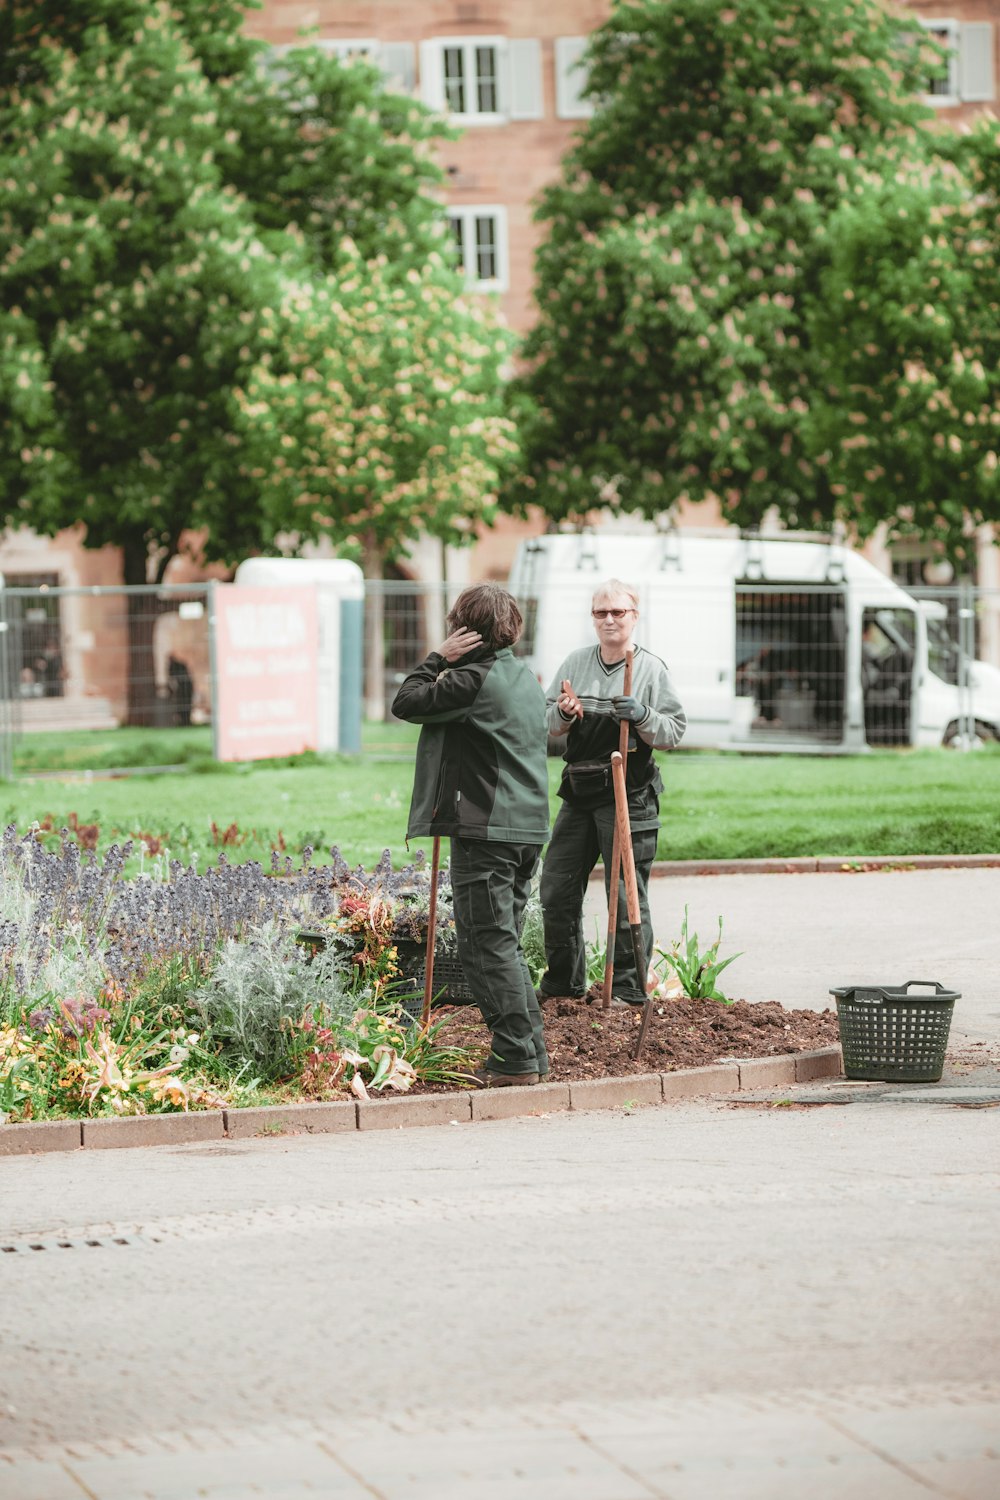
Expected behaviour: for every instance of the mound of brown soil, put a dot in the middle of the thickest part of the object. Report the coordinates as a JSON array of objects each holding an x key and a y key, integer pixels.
[{"x": 585, "y": 1041}]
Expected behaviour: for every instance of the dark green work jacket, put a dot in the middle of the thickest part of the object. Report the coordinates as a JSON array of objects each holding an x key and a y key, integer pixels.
[{"x": 481, "y": 767}]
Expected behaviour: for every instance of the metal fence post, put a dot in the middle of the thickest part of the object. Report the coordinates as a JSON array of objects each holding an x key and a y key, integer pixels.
[
  {"x": 6, "y": 693},
  {"x": 967, "y": 652},
  {"x": 213, "y": 676}
]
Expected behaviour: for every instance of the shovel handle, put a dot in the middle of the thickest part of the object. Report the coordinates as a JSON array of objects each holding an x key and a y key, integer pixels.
[{"x": 616, "y": 857}]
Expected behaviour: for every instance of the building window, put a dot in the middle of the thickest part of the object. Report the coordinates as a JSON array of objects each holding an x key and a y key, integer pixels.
[
  {"x": 970, "y": 72},
  {"x": 396, "y": 60},
  {"x": 345, "y": 50},
  {"x": 471, "y": 79},
  {"x": 481, "y": 246},
  {"x": 485, "y": 80},
  {"x": 36, "y": 635},
  {"x": 943, "y": 89}
]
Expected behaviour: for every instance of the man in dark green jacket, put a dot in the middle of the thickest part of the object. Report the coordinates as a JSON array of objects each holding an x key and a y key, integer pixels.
[{"x": 481, "y": 779}]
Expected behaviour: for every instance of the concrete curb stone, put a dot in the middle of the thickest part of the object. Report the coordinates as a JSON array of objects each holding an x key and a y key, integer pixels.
[
  {"x": 45, "y": 1135},
  {"x": 720, "y": 1078},
  {"x": 290, "y": 1119},
  {"x": 823, "y": 865},
  {"x": 610, "y": 1093},
  {"x": 767, "y": 1072},
  {"x": 153, "y": 1130},
  {"x": 504, "y": 1104},
  {"x": 822, "y": 1062},
  {"x": 423, "y": 1109}
]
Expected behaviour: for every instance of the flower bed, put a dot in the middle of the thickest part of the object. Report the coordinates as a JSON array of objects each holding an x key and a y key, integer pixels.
[
  {"x": 181, "y": 990},
  {"x": 178, "y": 990}
]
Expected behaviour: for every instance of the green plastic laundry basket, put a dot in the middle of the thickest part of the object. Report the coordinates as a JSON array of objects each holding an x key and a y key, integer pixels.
[{"x": 893, "y": 1036}]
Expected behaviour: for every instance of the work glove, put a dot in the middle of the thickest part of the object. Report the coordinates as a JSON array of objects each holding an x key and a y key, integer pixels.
[{"x": 629, "y": 708}]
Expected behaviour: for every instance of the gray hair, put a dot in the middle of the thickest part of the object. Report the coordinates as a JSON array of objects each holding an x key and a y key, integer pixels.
[{"x": 612, "y": 586}]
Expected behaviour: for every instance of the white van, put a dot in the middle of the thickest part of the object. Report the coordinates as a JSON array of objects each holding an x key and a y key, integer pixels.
[{"x": 777, "y": 642}]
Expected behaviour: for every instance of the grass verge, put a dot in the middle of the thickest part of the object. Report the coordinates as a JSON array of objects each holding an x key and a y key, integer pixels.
[{"x": 714, "y": 806}]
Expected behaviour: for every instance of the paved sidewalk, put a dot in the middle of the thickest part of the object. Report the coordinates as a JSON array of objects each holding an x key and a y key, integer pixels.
[{"x": 904, "y": 1444}]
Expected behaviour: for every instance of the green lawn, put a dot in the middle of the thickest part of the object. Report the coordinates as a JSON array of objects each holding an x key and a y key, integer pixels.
[
  {"x": 117, "y": 749},
  {"x": 715, "y": 806}
]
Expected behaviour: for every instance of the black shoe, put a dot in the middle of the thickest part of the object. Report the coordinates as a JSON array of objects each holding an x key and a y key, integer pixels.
[{"x": 631, "y": 1004}]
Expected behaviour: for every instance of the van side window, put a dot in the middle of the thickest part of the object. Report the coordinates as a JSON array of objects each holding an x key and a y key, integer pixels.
[{"x": 790, "y": 659}]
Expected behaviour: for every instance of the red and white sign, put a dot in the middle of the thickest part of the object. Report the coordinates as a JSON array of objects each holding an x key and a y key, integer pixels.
[{"x": 266, "y": 650}]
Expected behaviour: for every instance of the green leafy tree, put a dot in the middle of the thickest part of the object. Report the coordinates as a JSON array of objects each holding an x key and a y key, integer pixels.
[
  {"x": 708, "y": 214},
  {"x": 130, "y": 276},
  {"x": 377, "y": 415},
  {"x": 906, "y": 419},
  {"x": 162, "y": 187}
]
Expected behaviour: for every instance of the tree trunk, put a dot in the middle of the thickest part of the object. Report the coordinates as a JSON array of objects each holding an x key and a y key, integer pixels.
[{"x": 374, "y": 569}]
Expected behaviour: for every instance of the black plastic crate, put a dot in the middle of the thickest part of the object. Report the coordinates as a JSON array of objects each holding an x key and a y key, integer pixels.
[{"x": 450, "y": 985}]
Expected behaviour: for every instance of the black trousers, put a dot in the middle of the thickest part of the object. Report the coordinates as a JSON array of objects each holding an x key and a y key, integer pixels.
[
  {"x": 490, "y": 883},
  {"x": 579, "y": 839}
]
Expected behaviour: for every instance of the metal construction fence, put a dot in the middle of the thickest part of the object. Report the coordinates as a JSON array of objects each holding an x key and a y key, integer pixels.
[
  {"x": 796, "y": 665},
  {"x": 96, "y": 658}
]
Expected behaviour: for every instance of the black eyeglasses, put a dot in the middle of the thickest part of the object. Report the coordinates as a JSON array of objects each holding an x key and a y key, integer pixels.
[{"x": 616, "y": 614}]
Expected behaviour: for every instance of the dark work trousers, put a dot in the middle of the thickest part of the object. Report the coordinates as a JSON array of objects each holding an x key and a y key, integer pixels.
[
  {"x": 491, "y": 882},
  {"x": 579, "y": 838}
]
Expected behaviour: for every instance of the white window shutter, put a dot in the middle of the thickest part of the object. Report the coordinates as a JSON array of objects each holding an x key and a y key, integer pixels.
[
  {"x": 524, "y": 72},
  {"x": 398, "y": 63},
  {"x": 503, "y": 80},
  {"x": 975, "y": 61},
  {"x": 570, "y": 79},
  {"x": 432, "y": 75}
]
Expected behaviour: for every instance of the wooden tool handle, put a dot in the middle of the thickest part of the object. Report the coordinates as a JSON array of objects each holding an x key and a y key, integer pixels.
[
  {"x": 625, "y": 839},
  {"x": 616, "y": 858},
  {"x": 425, "y": 1019}
]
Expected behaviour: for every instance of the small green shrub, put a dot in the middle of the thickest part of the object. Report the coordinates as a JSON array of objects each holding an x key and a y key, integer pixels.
[
  {"x": 698, "y": 972},
  {"x": 258, "y": 991}
]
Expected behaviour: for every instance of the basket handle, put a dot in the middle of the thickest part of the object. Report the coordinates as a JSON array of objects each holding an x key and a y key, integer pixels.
[{"x": 930, "y": 984}]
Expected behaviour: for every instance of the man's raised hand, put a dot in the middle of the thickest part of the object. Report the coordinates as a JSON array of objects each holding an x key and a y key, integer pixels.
[{"x": 568, "y": 703}]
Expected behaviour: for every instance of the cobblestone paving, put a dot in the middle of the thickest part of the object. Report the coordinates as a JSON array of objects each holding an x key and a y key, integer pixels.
[{"x": 866, "y": 1444}]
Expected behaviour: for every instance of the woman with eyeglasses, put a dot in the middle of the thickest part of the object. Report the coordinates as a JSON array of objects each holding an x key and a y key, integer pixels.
[{"x": 587, "y": 704}]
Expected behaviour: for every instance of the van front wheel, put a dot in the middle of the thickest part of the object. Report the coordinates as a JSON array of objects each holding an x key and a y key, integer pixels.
[{"x": 983, "y": 734}]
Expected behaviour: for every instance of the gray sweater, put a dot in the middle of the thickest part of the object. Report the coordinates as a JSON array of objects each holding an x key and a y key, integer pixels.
[{"x": 597, "y": 735}]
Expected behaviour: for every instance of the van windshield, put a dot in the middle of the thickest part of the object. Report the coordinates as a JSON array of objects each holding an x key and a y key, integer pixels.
[{"x": 888, "y": 657}]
